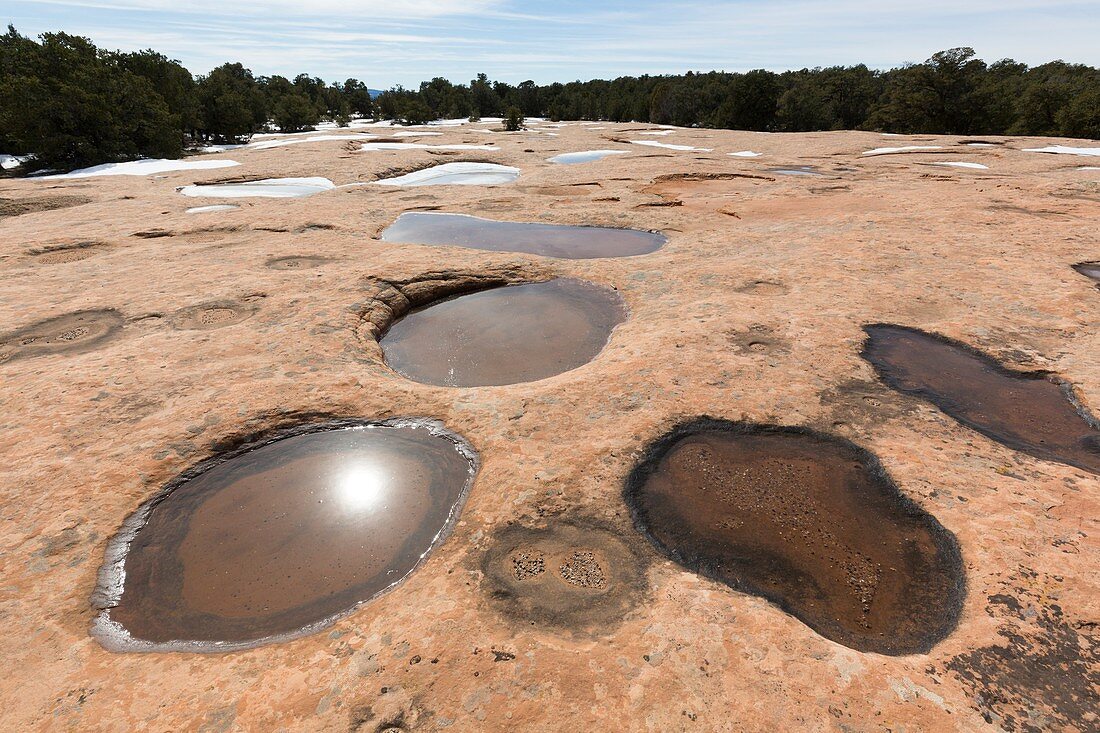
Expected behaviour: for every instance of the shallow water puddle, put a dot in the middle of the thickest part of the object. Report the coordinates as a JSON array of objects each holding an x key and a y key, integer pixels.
[
  {"x": 803, "y": 170},
  {"x": 584, "y": 156},
  {"x": 506, "y": 335},
  {"x": 280, "y": 539},
  {"x": 806, "y": 520},
  {"x": 550, "y": 240},
  {"x": 209, "y": 209},
  {"x": 902, "y": 149},
  {"x": 1026, "y": 411},
  {"x": 455, "y": 174},
  {"x": 1089, "y": 269},
  {"x": 266, "y": 188}
]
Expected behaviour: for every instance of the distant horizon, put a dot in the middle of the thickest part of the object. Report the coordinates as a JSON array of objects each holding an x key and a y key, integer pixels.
[{"x": 418, "y": 40}]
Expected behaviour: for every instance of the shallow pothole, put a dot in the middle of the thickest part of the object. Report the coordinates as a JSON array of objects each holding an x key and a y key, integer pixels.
[
  {"x": 61, "y": 253},
  {"x": 280, "y": 537},
  {"x": 1032, "y": 412},
  {"x": 809, "y": 521},
  {"x": 70, "y": 333},
  {"x": 569, "y": 575},
  {"x": 504, "y": 335},
  {"x": 214, "y": 314},
  {"x": 550, "y": 240}
]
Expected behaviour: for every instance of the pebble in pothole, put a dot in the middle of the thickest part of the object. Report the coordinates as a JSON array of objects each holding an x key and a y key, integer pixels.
[{"x": 70, "y": 333}]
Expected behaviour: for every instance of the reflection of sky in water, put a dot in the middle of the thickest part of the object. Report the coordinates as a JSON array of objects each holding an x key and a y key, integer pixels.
[{"x": 364, "y": 487}]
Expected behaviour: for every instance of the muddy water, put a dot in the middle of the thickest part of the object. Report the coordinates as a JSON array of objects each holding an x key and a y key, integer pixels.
[
  {"x": 506, "y": 335},
  {"x": 551, "y": 240},
  {"x": 281, "y": 538},
  {"x": 1026, "y": 411},
  {"x": 805, "y": 170},
  {"x": 807, "y": 521}
]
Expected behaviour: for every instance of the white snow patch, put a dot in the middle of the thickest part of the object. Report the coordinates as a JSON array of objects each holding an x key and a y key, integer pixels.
[
  {"x": 420, "y": 146},
  {"x": 145, "y": 167},
  {"x": 408, "y": 133},
  {"x": 903, "y": 149},
  {"x": 655, "y": 144},
  {"x": 981, "y": 145},
  {"x": 746, "y": 154},
  {"x": 456, "y": 174},
  {"x": 264, "y": 145},
  {"x": 1089, "y": 168},
  {"x": 585, "y": 156},
  {"x": 215, "y": 207},
  {"x": 661, "y": 133},
  {"x": 1064, "y": 150},
  {"x": 279, "y": 188},
  {"x": 7, "y": 162},
  {"x": 960, "y": 164}
]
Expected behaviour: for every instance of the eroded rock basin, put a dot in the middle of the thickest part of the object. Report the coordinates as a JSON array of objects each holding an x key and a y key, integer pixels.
[
  {"x": 506, "y": 335},
  {"x": 810, "y": 522},
  {"x": 550, "y": 240},
  {"x": 1027, "y": 411},
  {"x": 278, "y": 539}
]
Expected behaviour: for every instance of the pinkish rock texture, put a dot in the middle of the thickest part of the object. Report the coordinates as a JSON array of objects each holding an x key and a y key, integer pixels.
[{"x": 752, "y": 310}]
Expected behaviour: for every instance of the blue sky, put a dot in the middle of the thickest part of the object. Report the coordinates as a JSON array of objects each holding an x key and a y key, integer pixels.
[{"x": 406, "y": 41}]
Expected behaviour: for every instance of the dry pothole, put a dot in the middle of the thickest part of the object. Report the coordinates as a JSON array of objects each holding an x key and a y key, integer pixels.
[
  {"x": 569, "y": 575},
  {"x": 18, "y": 207},
  {"x": 70, "y": 333},
  {"x": 214, "y": 314},
  {"x": 807, "y": 520},
  {"x": 762, "y": 287},
  {"x": 61, "y": 253},
  {"x": 296, "y": 262}
]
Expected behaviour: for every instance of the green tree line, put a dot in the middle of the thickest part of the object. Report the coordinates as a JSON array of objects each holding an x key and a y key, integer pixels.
[{"x": 71, "y": 104}]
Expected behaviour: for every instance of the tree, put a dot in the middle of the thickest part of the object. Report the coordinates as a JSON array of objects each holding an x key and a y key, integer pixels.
[
  {"x": 415, "y": 112},
  {"x": 71, "y": 106},
  {"x": 514, "y": 120},
  {"x": 295, "y": 112},
  {"x": 232, "y": 104}
]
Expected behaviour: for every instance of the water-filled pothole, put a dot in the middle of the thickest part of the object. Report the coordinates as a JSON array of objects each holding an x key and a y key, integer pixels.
[
  {"x": 1090, "y": 270},
  {"x": 802, "y": 170},
  {"x": 550, "y": 240},
  {"x": 70, "y": 333},
  {"x": 577, "y": 576},
  {"x": 1031, "y": 412},
  {"x": 279, "y": 538},
  {"x": 506, "y": 335},
  {"x": 809, "y": 521}
]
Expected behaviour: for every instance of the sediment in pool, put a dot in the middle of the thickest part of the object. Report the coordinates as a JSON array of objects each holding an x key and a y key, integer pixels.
[
  {"x": 1032, "y": 412},
  {"x": 550, "y": 240},
  {"x": 281, "y": 536},
  {"x": 809, "y": 521},
  {"x": 69, "y": 333},
  {"x": 571, "y": 574},
  {"x": 505, "y": 335}
]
